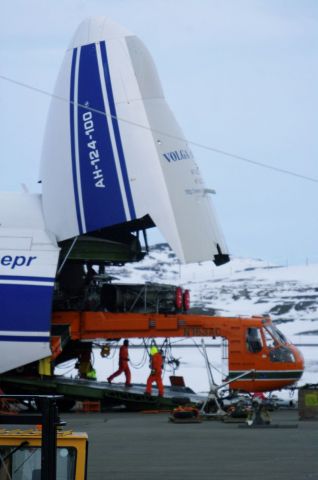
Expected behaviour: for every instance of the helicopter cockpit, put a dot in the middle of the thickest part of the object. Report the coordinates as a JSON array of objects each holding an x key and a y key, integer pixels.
[{"x": 271, "y": 340}]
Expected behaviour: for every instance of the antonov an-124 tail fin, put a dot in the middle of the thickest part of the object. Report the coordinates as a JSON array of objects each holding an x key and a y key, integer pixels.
[{"x": 113, "y": 151}]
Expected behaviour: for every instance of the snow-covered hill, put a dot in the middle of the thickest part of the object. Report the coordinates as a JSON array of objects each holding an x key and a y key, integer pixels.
[{"x": 241, "y": 287}]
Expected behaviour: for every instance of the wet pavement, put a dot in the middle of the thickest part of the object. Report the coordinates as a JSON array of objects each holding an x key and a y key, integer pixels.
[{"x": 131, "y": 446}]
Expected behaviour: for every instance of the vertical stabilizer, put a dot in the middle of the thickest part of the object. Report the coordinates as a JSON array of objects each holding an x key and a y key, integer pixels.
[{"x": 113, "y": 151}]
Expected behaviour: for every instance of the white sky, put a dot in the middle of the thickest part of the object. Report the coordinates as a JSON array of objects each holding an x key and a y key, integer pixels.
[{"x": 240, "y": 75}]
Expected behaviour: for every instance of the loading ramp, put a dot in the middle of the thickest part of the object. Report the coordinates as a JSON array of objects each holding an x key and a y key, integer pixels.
[{"x": 110, "y": 395}]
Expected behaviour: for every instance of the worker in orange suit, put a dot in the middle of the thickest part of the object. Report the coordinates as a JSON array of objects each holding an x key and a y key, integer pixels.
[
  {"x": 123, "y": 365},
  {"x": 156, "y": 364}
]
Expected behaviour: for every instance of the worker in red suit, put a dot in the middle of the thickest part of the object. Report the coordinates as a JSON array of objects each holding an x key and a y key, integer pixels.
[
  {"x": 156, "y": 364},
  {"x": 123, "y": 365}
]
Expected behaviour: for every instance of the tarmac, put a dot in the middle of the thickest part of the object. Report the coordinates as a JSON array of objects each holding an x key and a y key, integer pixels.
[{"x": 140, "y": 446}]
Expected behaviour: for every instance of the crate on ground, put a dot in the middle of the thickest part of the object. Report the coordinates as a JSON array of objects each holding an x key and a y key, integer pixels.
[
  {"x": 176, "y": 381},
  {"x": 90, "y": 406},
  {"x": 308, "y": 402}
]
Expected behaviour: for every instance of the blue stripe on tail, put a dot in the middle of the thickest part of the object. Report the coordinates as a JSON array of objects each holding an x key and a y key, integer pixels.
[
  {"x": 116, "y": 130},
  {"x": 73, "y": 106},
  {"x": 101, "y": 195}
]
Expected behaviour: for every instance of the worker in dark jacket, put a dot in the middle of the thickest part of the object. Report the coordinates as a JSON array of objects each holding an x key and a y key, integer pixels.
[
  {"x": 123, "y": 365},
  {"x": 156, "y": 364}
]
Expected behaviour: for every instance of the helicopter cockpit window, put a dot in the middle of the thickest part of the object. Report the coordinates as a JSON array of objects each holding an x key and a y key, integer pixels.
[
  {"x": 271, "y": 340},
  {"x": 276, "y": 343},
  {"x": 253, "y": 340},
  {"x": 278, "y": 334},
  {"x": 273, "y": 335},
  {"x": 281, "y": 354}
]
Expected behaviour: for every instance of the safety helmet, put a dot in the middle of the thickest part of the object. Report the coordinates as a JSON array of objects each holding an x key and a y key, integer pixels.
[{"x": 153, "y": 350}]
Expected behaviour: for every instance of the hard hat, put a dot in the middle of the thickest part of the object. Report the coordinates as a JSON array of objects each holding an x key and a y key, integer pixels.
[{"x": 153, "y": 350}]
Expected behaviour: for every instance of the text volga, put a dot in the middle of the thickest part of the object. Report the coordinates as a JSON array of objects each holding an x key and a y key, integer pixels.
[{"x": 177, "y": 155}]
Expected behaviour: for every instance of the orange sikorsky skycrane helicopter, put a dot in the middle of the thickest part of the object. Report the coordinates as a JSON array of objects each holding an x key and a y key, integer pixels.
[{"x": 255, "y": 345}]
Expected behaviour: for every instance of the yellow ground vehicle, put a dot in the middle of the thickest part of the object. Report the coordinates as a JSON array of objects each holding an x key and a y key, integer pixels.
[{"x": 20, "y": 455}]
